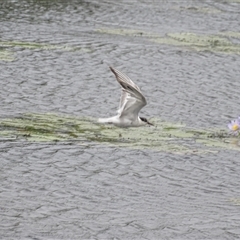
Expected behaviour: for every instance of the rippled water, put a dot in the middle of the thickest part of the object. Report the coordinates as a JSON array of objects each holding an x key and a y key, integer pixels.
[{"x": 67, "y": 190}]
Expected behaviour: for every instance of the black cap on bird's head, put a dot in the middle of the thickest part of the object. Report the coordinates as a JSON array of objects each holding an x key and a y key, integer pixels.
[{"x": 146, "y": 121}]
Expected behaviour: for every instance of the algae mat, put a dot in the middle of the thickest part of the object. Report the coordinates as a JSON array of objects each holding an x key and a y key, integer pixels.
[
  {"x": 222, "y": 42},
  {"x": 163, "y": 136},
  {"x": 41, "y": 46},
  {"x": 7, "y": 55}
]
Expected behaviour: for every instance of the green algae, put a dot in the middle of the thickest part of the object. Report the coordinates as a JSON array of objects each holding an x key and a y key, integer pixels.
[
  {"x": 232, "y": 144},
  {"x": 41, "y": 46},
  {"x": 197, "y": 42},
  {"x": 233, "y": 35},
  {"x": 6, "y": 56},
  {"x": 127, "y": 32},
  {"x": 217, "y": 43},
  {"x": 235, "y": 201},
  {"x": 197, "y": 9},
  {"x": 163, "y": 136}
]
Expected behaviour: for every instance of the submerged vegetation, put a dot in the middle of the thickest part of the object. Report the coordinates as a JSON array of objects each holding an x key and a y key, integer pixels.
[{"x": 164, "y": 136}]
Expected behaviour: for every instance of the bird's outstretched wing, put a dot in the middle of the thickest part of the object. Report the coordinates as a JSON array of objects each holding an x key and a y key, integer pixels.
[{"x": 132, "y": 100}]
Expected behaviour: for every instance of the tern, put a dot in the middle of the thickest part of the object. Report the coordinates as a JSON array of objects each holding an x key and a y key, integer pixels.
[{"x": 131, "y": 102}]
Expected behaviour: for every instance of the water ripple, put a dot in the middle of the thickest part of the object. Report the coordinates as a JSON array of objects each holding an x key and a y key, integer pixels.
[{"x": 75, "y": 191}]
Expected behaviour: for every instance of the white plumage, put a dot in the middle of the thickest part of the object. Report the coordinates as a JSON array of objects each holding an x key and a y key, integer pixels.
[{"x": 131, "y": 102}]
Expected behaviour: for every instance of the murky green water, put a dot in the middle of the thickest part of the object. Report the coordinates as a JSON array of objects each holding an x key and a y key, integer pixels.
[{"x": 63, "y": 176}]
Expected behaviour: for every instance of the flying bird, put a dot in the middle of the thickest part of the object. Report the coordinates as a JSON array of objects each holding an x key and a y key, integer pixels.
[{"x": 131, "y": 102}]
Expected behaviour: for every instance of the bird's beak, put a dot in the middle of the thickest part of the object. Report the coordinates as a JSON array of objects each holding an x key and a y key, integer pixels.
[{"x": 149, "y": 123}]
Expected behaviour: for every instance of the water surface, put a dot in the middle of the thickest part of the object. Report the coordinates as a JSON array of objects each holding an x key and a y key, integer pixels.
[{"x": 54, "y": 58}]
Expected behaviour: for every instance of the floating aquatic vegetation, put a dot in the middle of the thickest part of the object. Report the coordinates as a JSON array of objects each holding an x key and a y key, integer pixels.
[
  {"x": 229, "y": 143},
  {"x": 164, "y": 136},
  {"x": 235, "y": 201},
  {"x": 212, "y": 43},
  {"x": 127, "y": 32},
  {"x": 198, "y": 9},
  {"x": 230, "y": 34},
  {"x": 42, "y": 46},
  {"x": 6, "y": 56},
  {"x": 198, "y": 42}
]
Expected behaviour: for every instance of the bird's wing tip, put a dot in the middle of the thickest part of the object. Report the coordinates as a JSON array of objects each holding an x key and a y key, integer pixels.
[{"x": 112, "y": 69}]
